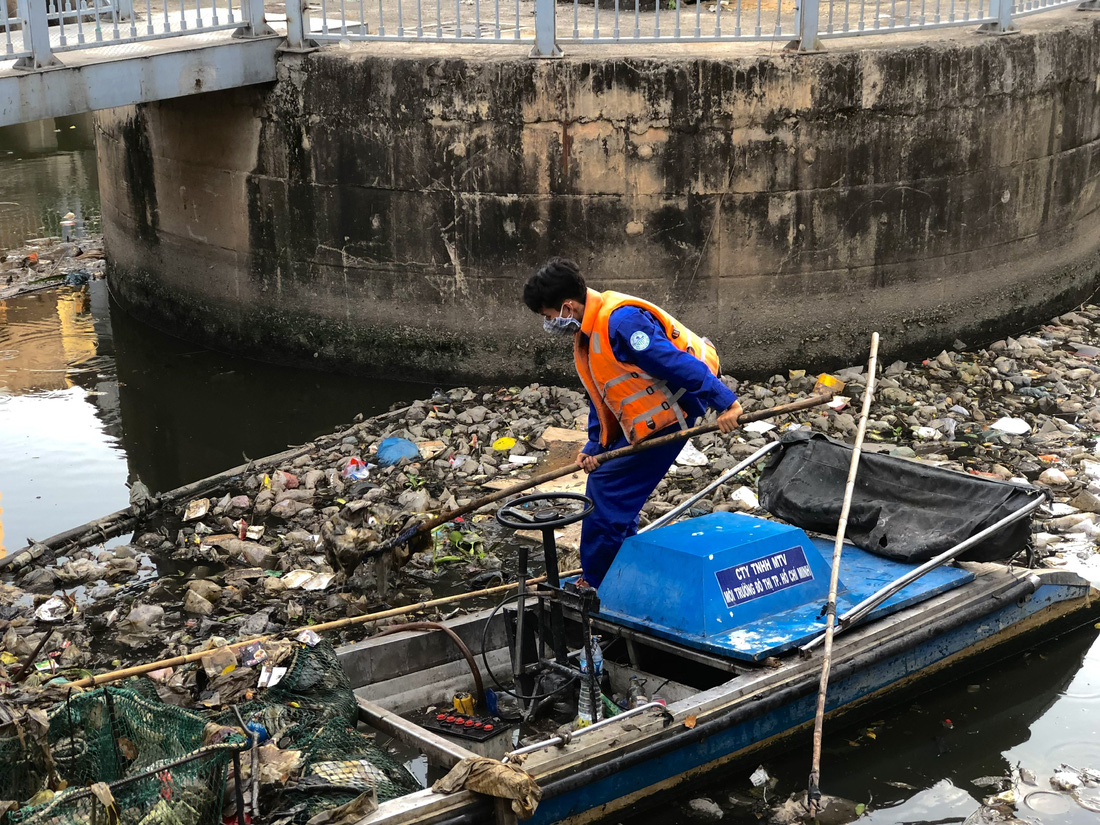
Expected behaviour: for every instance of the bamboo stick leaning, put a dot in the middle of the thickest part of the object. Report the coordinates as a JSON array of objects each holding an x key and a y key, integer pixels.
[{"x": 814, "y": 790}]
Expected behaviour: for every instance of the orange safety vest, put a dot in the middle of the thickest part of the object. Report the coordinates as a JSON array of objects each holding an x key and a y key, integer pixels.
[{"x": 626, "y": 399}]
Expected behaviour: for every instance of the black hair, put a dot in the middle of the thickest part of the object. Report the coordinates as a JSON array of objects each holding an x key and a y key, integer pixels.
[{"x": 558, "y": 280}]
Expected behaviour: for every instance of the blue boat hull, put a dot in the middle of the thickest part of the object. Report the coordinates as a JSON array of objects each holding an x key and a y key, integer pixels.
[{"x": 687, "y": 753}]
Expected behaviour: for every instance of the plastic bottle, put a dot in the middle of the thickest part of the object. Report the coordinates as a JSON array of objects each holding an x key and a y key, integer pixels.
[
  {"x": 637, "y": 695},
  {"x": 590, "y": 681}
]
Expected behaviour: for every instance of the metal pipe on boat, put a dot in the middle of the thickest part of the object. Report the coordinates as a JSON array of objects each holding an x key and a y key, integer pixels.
[
  {"x": 521, "y": 606},
  {"x": 722, "y": 479},
  {"x": 770, "y": 701},
  {"x": 881, "y": 595},
  {"x": 561, "y": 740}
]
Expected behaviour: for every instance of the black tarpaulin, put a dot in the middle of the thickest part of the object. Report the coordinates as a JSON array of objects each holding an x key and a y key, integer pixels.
[{"x": 900, "y": 509}]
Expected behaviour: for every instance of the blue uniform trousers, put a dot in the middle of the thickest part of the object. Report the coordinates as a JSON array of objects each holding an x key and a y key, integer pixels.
[{"x": 619, "y": 490}]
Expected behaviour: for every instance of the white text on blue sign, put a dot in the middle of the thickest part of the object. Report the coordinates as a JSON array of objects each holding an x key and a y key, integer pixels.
[{"x": 767, "y": 574}]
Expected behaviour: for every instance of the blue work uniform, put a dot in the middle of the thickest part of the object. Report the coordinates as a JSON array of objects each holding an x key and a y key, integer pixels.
[{"x": 621, "y": 487}]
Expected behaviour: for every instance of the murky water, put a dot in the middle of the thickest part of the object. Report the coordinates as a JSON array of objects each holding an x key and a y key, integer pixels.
[
  {"x": 47, "y": 169},
  {"x": 917, "y": 764},
  {"x": 91, "y": 399}
]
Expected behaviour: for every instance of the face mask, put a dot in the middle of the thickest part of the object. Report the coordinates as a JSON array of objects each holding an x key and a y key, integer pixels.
[{"x": 561, "y": 326}]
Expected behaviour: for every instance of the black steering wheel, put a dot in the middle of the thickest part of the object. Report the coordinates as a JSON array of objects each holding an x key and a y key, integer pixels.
[{"x": 539, "y": 511}]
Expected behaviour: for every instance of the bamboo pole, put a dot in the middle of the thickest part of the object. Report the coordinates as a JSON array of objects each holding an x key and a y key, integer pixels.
[
  {"x": 187, "y": 658},
  {"x": 814, "y": 790},
  {"x": 683, "y": 435}
]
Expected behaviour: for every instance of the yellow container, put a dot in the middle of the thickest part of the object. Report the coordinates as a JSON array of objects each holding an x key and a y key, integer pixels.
[{"x": 464, "y": 703}]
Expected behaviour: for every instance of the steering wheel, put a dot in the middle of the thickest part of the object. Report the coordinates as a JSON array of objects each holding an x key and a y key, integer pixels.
[{"x": 539, "y": 511}]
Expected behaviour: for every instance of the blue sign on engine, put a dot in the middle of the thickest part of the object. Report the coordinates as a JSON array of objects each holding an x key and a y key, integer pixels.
[{"x": 767, "y": 574}]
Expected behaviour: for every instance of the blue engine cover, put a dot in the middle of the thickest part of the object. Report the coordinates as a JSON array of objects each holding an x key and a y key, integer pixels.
[
  {"x": 707, "y": 576},
  {"x": 746, "y": 587}
]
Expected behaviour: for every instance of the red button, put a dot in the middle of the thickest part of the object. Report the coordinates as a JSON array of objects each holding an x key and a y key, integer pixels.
[
  {"x": 488, "y": 727},
  {"x": 469, "y": 723},
  {"x": 450, "y": 719},
  {"x": 441, "y": 717}
]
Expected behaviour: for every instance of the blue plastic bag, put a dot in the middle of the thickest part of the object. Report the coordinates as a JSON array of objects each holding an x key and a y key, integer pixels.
[{"x": 393, "y": 449}]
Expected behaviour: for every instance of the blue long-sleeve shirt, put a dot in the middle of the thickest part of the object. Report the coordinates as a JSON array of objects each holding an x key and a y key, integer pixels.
[{"x": 637, "y": 338}]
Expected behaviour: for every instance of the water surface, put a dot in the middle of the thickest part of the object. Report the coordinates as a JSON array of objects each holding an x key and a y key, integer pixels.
[{"x": 91, "y": 399}]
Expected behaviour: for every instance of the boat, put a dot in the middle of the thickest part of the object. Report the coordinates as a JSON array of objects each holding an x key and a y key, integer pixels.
[
  {"x": 716, "y": 617},
  {"x": 722, "y": 615}
]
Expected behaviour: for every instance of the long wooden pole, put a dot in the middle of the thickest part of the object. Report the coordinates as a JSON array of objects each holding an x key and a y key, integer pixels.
[
  {"x": 176, "y": 661},
  {"x": 683, "y": 435},
  {"x": 814, "y": 792}
]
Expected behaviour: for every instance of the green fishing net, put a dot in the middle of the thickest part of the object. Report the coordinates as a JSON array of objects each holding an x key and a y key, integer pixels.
[
  {"x": 151, "y": 757},
  {"x": 148, "y": 755}
]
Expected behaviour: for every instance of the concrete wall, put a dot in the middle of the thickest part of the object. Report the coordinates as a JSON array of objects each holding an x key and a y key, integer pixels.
[{"x": 379, "y": 210}]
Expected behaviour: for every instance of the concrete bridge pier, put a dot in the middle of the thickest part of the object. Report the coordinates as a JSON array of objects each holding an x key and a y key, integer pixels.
[{"x": 378, "y": 208}]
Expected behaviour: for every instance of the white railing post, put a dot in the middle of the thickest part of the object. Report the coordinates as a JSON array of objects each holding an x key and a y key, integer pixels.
[
  {"x": 295, "y": 24},
  {"x": 546, "y": 41},
  {"x": 1002, "y": 10},
  {"x": 297, "y": 27},
  {"x": 36, "y": 35},
  {"x": 807, "y": 14},
  {"x": 125, "y": 9},
  {"x": 255, "y": 20}
]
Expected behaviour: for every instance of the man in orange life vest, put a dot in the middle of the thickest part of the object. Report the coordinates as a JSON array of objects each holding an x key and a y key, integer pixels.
[{"x": 647, "y": 375}]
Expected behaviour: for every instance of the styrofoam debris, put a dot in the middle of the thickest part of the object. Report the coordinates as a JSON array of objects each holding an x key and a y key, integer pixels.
[{"x": 1012, "y": 426}]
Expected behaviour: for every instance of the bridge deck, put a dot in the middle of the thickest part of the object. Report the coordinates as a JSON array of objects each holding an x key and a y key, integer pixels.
[{"x": 133, "y": 71}]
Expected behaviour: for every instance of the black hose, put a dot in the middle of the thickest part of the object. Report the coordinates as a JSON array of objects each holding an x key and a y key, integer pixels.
[
  {"x": 534, "y": 697},
  {"x": 479, "y": 685}
]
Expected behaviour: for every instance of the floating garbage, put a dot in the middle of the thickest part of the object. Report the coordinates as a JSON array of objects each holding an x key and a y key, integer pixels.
[
  {"x": 1012, "y": 426},
  {"x": 196, "y": 509},
  {"x": 690, "y": 456},
  {"x": 355, "y": 470},
  {"x": 393, "y": 450},
  {"x": 290, "y": 541},
  {"x": 745, "y": 499},
  {"x": 759, "y": 777},
  {"x": 54, "y": 609},
  {"x": 759, "y": 427},
  {"x": 307, "y": 580}
]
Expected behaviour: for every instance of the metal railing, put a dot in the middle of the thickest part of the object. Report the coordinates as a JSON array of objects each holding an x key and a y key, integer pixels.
[
  {"x": 437, "y": 20},
  {"x": 45, "y": 28},
  {"x": 1022, "y": 8},
  {"x": 8, "y": 48},
  {"x": 50, "y": 27},
  {"x": 876, "y": 17},
  {"x": 800, "y": 24},
  {"x": 697, "y": 22},
  {"x": 846, "y": 18}
]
